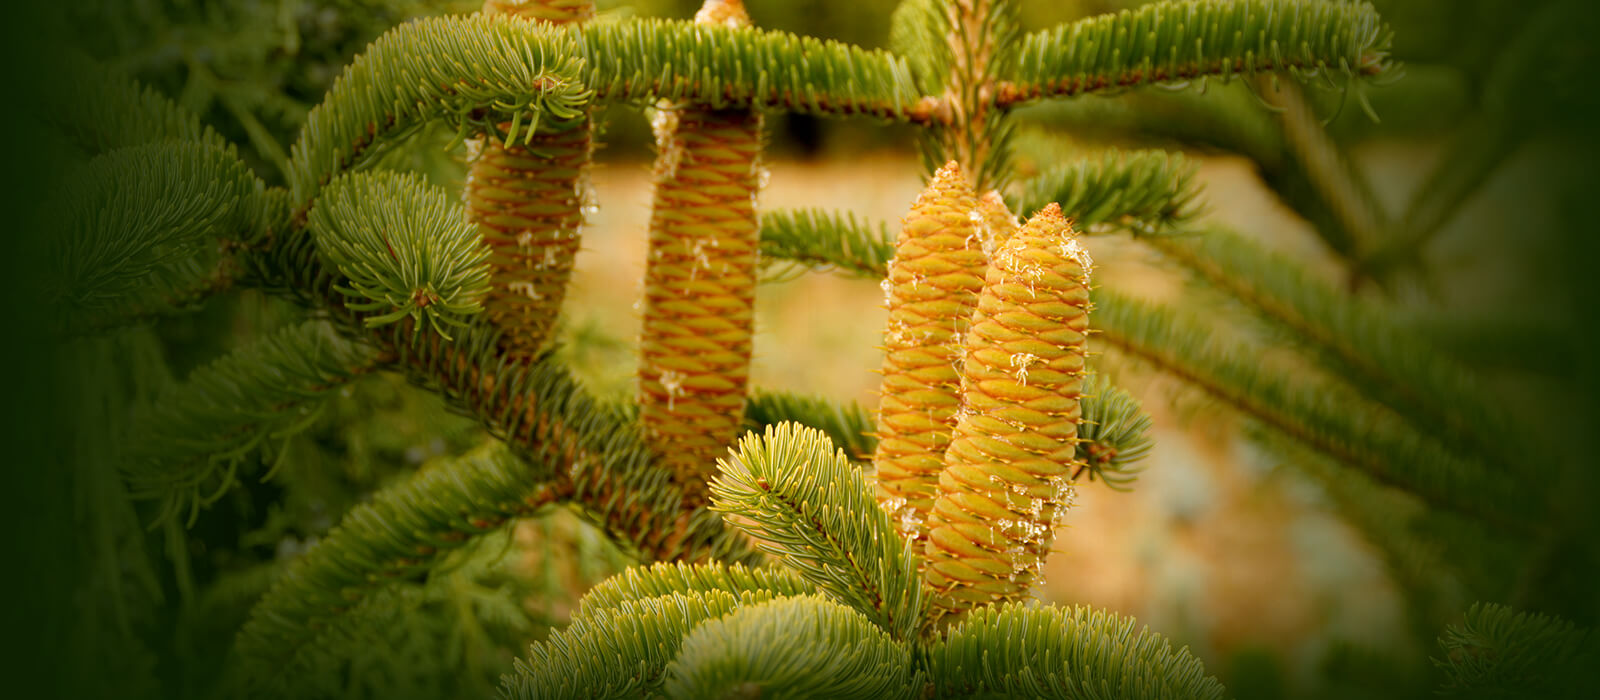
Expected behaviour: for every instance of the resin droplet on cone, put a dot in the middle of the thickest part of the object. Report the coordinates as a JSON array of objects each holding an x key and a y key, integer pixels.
[
  {"x": 1008, "y": 470},
  {"x": 528, "y": 202},
  {"x": 932, "y": 290},
  {"x": 700, "y": 280}
]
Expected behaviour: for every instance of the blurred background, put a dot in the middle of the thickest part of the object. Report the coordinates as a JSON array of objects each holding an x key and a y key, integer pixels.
[{"x": 1218, "y": 545}]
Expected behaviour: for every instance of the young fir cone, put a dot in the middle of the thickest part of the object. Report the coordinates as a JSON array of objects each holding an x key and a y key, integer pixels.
[
  {"x": 528, "y": 200},
  {"x": 700, "y": 279},
  {"x": 931, "y": 291},
  {"x": 1001, "y": 222},
  {"x": 1008, "y": 471}
]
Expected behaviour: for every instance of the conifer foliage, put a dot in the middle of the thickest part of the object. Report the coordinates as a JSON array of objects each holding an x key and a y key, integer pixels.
[{"x": 830, "y": 550}]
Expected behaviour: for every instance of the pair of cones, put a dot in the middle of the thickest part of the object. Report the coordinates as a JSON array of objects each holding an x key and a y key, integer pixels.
[
  {"x": 700, "y": 278},
  {"x": 983, "y": 371}
]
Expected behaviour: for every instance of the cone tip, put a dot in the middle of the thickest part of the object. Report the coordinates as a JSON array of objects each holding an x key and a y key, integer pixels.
[{"x": 949, "y": 171}]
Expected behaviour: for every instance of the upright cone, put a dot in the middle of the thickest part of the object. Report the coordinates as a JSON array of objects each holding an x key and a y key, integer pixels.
[
  {"x": 700, "y": 279},
  {"x": 528, "y": 201},
  {"x": 1008, "y": 471},
  {"x": 1001, "y": 222},
  {"x": 932, "y": 290}
]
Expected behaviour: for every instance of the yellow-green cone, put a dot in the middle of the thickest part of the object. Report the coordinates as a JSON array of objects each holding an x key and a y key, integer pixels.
[
  {"x": 1008, "y": 471},
  {"x": 552, "y": 11},
  {"x": 528, "y": 202},
  {"x": 931, "y": 290},
  {"x": 1001, "y": 222},
  {"x": 700, "y": 280}
]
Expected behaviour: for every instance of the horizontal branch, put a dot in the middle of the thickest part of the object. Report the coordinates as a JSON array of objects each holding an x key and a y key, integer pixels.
[
  {"x": 1357, "y": 340},
  {"x": 1176, "y": 42},
  {"x": 191, "y": 439},
  {"x": 817, "y": 238},
  {"x": 475, "y": 73},
  {"x": 1337, "y": 423},
  {"x": 716, "y": 67},
  {"x": 1142, "y": 191}
]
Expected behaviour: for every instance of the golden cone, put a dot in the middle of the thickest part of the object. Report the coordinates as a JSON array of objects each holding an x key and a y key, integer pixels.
[
  {"x": 1001, "y": 222},
  {"x": 932, "y": 289},
  {"x": 552, "y": 11},
  {"x": 1009, "y": 468},
  {"x": 528, "y": 202},
  {"x": 700, "y": 281}
]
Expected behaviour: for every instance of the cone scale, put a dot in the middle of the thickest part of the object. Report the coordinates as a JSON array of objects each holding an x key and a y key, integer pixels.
[
  {"x": 528, "y": 202},
  {"x": 700, "y": 280},
  {"x": 1009, "y": 467},
  {"x": 932, "y": 290}
]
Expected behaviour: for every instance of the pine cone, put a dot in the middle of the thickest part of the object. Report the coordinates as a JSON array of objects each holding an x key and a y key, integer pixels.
[
  {"x": 552, "y": 11},
  {"x": 700, "y": 280},
  {"x": 528, "y": 202},
  {"x": 932, "y": 290},
  {"x": 1008, "y": 470}
]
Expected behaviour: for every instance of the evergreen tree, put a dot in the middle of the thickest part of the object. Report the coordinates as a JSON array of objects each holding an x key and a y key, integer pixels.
[{"x": 254, "y": 515}]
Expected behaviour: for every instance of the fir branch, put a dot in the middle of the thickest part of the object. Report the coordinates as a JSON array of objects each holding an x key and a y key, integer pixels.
[
  {"x": 799, "y": 647},
  {"x": 1497, "y": 652},
  {"x": 147, "y": 229},
  {"x": 821, "y": 239},
  {"x": 404, "y": 248},
  {"x": 399, "y": 533},
  {"x": 803, "y": 501},
  {"x": 618, "y": 652},
  {"x": 1175, "y": 42},
  {"x": 1114, "y": 435},
  {"x": 961, "y": 49},
  {"x": 1354, "y": 222},
  {"x": 1026, "y": 650},
  {"x": 645, "y": 61},
  {"x": 847, "y": 424},
  {"x": 668, "y": 578},
  {"x": 1336, "y": 422},
  {"x": 194, "y": 436},
  {"x": 474, "y": 73},
  {"x": 917, "y": 30},
  {"x": 1146, "y": 192},
  {"x": 101, "y": 110},
  {"x": 602, "y": 465},
  {"x": 1356, "y": 339}
]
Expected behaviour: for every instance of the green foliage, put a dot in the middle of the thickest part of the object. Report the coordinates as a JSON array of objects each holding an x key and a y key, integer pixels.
[
  {"x": 804, "y": 502},
  {"x": 1022, "y": 650},
  {"x": 819, "y": 238},
  {"x": 797, "y": 647},
  {"x": 667, "y": 578},
  {"x": 400, "y": 533},
  {"x": 848, "y": 425},
  {"x": 1330, "y": 419},
  {"x": 404, "y": 248},
  {"x": 1181, "y": 41},
  {"x": 1115, "y": 434},
  {"x": 1356, "y": 339},
  {"x": 645, "y": 61},
  {"x": 392, "y": 600},
  {"x": 145, "y": 230},
  {"x": 1141, "y": 191},
  {"x": 102, "y": 110},
  {"x": 192, "y": 438},
  {"x": 1497, "y": 652},
  {"x": 473, "y": 73},
  {"x": 618, "y": 652},
  {"x": 450, "y": 633}
]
